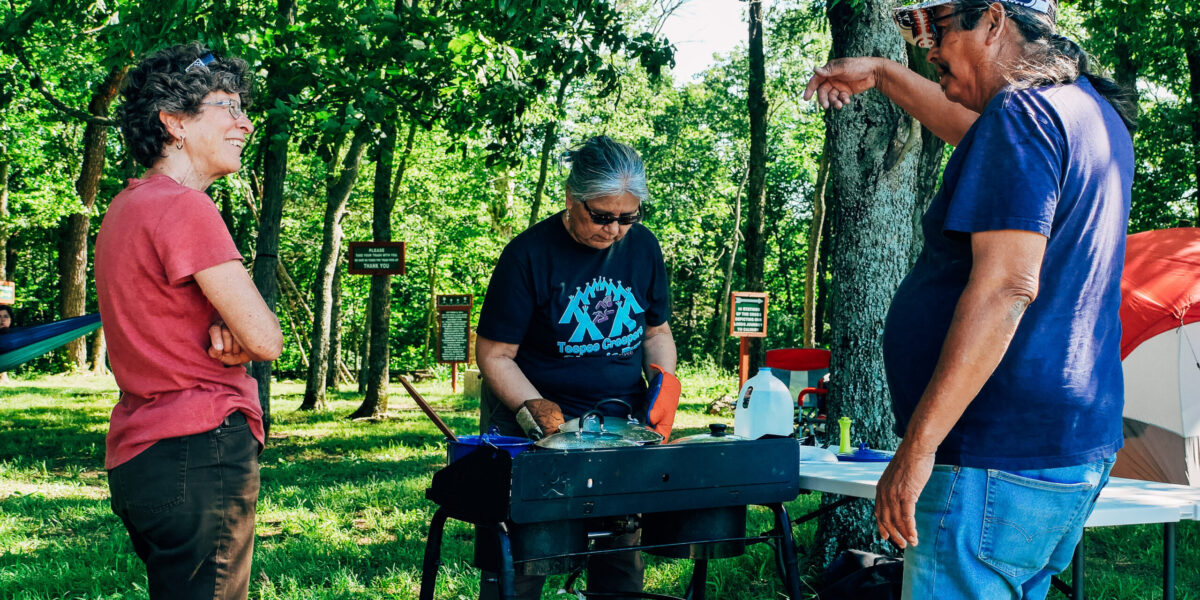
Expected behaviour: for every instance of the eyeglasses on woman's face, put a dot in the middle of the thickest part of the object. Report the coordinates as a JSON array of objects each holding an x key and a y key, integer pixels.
[
  {"x": 235, "y": 107},
  {"x": 604, "y": 219}
]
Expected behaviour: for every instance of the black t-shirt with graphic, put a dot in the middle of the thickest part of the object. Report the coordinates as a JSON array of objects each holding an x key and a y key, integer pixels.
[{"x": 579, "y": 314}]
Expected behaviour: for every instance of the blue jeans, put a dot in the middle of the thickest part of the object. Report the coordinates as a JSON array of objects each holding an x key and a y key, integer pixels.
[{"x": 989, "y": 534}]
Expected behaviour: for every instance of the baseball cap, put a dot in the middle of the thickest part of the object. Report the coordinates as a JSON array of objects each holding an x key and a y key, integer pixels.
[{"x": 916, "y": 20}]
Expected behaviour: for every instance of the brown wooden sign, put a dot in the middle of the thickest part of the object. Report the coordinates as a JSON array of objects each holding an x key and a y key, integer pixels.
[
  {"x": 454, "y": 328},
  {"x": 748, "y": 314},
  {"x": 376, "y": 258},
  {"x": 8, "y": 292}
]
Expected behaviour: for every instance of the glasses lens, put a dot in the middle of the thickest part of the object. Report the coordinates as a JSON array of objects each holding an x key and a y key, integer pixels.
[{"x": 235, "y": 109}]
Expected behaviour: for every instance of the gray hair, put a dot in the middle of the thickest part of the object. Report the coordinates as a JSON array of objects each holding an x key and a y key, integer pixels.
[
  {"x": 602, "y": 167},
  {"x": 1051, "y": 58}
]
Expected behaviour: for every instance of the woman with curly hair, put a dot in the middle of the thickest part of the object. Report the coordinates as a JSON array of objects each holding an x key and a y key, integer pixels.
[{"x": 181, "y": 317}]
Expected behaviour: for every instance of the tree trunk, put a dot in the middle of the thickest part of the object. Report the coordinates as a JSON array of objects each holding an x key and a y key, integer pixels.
[
  {"x": 276, "y": 135},
  {"x": 3, "y": 217},
  {"x": 72, "y": 276},
  {"x": 73, "y": 245},
  {"x": 431, "y": 309},
  {"x": 720, "y": 327},
  {"x": 756, "y": 193},
  {"x": 335, "y": 329},
  {"x": 822, "y": 307},
  {"x": 1193, "y": 61},
  {"x": 99, "y": 350},
  {"x": 364, "y": 351},
  {"x": 375, "y": 402},
  {"x": 331, "y": 242},
  {"x": 873, "y": 158},
  {"x": 548, "y": 144},
  {"x": 812, "y": 263}
]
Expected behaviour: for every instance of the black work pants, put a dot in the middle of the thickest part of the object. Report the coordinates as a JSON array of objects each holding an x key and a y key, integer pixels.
[{"x": 188, "y": 504}]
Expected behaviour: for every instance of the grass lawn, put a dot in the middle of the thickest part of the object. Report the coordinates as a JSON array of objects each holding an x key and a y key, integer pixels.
[{"x": 342, "y": 513}]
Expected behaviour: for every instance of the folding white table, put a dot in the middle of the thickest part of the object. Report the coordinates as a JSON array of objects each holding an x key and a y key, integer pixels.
[{"x": 1122, "y": 502}]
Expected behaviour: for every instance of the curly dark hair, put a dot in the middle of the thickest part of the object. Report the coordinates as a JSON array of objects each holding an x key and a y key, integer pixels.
[{"x": 163, "y": 81}]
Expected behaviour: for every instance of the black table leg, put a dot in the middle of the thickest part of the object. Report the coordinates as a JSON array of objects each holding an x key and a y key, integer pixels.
[
  {"x": 695, "y": 589},
  {"x": 507, "y": 575},
  {"x": 1077, "y": 572},
  {"x": 1168, "y": 561},
  {"x": 433, "y": 555},
  {"x": 786, "y": 553}
]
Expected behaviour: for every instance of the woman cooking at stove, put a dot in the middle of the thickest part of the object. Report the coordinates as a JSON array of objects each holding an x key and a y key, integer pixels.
[{"x": 576, "y": 312}]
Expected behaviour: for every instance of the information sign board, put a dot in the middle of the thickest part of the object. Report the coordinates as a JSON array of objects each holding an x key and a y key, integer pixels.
[
  {"x": 454, "y": 328},
  {"x": 748, "y": 314},
  {"x": 376, "y": 258},
  {"x": 8, "y": 292}
]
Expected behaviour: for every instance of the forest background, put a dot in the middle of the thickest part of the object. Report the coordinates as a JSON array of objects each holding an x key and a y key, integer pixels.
[{"x": 443, "y": 124}]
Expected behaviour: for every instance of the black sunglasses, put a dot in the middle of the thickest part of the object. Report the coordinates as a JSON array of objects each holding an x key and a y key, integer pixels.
[
  {"x": 940, "y": 32},
  {"x": 603, "y": 219}
]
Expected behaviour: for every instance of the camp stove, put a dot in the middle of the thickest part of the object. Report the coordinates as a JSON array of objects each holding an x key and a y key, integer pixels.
[{"x": 535, "y": 513}]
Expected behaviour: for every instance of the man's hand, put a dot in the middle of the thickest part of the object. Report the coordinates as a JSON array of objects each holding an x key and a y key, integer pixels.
[
  {"x": 897, "y": 493},
  {"x": 841, "y": 78},
  {"x": 225, "y": 347},
  {"x": 539, "y": 418}
]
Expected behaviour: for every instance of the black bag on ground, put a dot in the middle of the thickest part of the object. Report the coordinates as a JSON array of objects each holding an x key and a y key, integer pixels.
[{"x": 858, "y": 575}]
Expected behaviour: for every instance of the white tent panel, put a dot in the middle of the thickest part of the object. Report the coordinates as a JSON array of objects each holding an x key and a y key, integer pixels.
[
  {"x": 1152, "y": 392},
  {"x": 1189, "y": 378}
]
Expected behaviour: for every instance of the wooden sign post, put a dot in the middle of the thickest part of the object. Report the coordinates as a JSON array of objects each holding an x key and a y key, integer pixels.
[
  {"x": 454, "y": 332},
  {"x": 747, "y": 319}
]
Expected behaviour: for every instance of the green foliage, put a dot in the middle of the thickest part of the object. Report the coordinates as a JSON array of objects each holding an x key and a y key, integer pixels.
[{"x": 480, "y": 78}]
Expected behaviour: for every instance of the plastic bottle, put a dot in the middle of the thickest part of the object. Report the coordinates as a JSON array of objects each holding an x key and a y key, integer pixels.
[{"x": 764, "y": 406}]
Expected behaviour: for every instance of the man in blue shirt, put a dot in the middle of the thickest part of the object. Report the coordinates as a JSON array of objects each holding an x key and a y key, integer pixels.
[{"x": 1002, "y": 344}]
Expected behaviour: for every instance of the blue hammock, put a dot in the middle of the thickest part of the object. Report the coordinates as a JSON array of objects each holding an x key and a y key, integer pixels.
[{"x": 21, "y": 344}]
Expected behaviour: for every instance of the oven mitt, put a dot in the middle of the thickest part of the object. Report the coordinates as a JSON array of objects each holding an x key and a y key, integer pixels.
[
  {"x": 539, "y": 418},
  {"x": 663, "y": 396}
]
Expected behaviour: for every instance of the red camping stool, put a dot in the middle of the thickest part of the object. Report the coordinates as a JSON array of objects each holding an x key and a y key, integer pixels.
[{"x": 806, "y": 373}]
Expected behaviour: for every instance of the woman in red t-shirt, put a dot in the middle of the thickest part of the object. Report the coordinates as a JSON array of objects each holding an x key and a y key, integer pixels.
[{"x": 181, "y": 316}]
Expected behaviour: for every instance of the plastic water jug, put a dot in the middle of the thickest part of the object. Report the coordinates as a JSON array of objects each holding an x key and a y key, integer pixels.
[{"x": 764, "y": 406}]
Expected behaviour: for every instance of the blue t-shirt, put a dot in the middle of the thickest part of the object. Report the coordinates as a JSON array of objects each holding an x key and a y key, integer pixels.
[
  {"x": 1057, "y": 161},
  {"x": 579, "y": 314}
]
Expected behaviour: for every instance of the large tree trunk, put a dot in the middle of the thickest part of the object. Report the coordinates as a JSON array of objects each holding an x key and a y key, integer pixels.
[
  {"x": 331, "y": 243},
  {"x": 73, "y": 243},
  {"x": 276, "y": 135},
  {"x": 375, "y": 402},
  {"x": 873, "y": 159}
]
